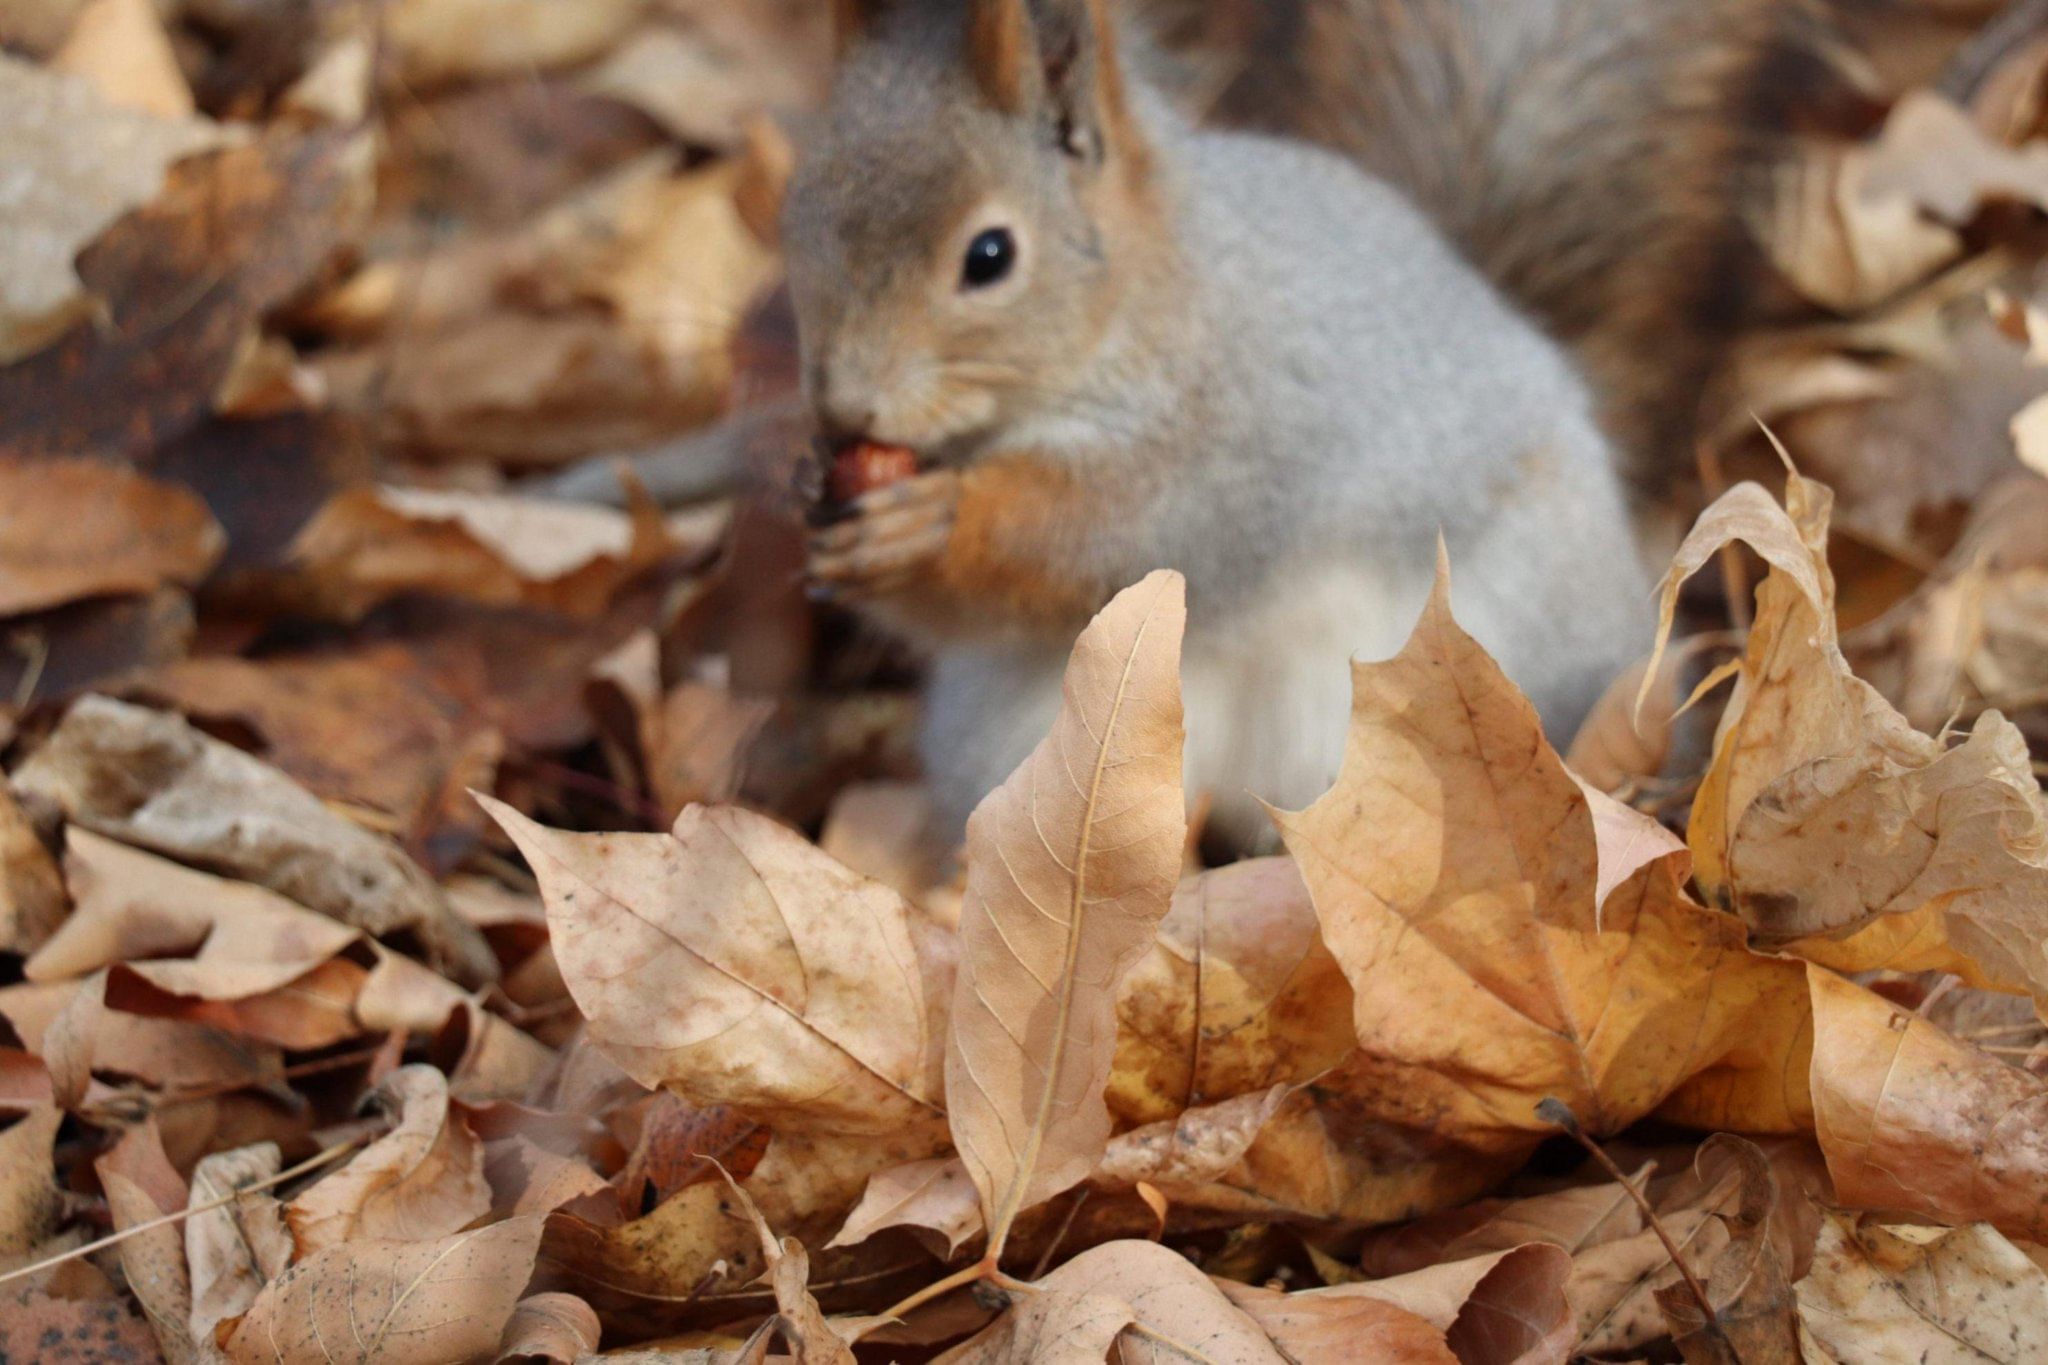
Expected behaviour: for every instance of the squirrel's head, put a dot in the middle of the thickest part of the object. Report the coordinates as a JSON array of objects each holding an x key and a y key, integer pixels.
[{"x": 966, "y": 218}]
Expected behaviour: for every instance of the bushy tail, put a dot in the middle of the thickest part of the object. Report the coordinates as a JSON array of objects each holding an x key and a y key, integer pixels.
[{"x": 1593, "y": 156}]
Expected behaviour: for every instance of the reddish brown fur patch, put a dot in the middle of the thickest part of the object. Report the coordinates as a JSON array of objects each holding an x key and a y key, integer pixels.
[{"x": 1016, "y": 547}]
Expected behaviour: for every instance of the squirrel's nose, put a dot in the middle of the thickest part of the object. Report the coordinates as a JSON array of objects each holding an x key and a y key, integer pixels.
[{"x": 847, "y": 410}]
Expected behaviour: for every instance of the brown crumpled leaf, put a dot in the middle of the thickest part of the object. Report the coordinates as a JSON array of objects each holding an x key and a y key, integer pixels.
[
  {"x": 1238, "y": 994},
  {"x": 549, "y": 1329},
  {"x": 1485, "y": 982},
  {"x": 1753, "y": 1320},
  {"x": 1895, "y": 1293},
  {"x": 79, "y": 162},
  {"x": 1311, "y": 1328},
  {"x": 393, "y": 1303},
  {"x": 735, "y": 964},
  {"x": 1071, "y": 865},
  {"x": 1147, "y": 1302},
  {"x": 811, "y": 1339},
  {"x": 71, "y": 529},
  {"x": 424, "y": 1179},
  {"x": 33, "y": 900},
  {"x": 1824, "y": 811},
  {"x": 1912, "y": 1119},
  {"x": 1509, "y": 1306},
  {"x": 149, "y": 778},
  {"x": 371, "y": 544}
]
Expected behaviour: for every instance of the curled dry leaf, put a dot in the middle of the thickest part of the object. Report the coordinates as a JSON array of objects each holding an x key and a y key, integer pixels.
[
  {"x": 1311, "y": 1327},
  {"x": 1484, "y": 982},
  {"x": 1749, "y": 1317},
  {"x": 80, "y": 162},
  {"x": 151, "y": 779},
  {"x": 1139, "y": 1297},
  {"x": 141, "y": 1188},
  {"x": 71, "y": 529},
  {"x": 735, "y": 964},
  {"x": 121, "y": 47},
  {"x": 435, "y": 41},
  {"x": 424, "y": 1179},
  {"x": 1912, "y": 1119},
  {"x": 393, "y": 1303},
  {"x": 549, "y": 1329},
  {"x": 812, "y": 1340},
  {"x": 1071, "y": 865},
  {"x": 1825, "y": 813},
  {"x": 1895, "y": 1295},
  {"x": 233, "y": 1248}
]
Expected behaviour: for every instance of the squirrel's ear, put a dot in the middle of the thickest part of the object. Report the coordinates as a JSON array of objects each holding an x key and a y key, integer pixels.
[
  {"x": 1003, "y": 55},
  {"x": 1081, "y": 77}
]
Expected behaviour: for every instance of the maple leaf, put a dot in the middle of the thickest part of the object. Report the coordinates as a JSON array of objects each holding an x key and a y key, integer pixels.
[{"x": 1071, "y": 866}]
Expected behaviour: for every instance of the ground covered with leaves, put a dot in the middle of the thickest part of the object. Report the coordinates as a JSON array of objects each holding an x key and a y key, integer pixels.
[{"x": 444, "y": 923}]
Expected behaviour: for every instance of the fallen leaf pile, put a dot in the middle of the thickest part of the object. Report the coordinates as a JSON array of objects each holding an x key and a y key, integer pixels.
[{"x": 441, "y": 922}]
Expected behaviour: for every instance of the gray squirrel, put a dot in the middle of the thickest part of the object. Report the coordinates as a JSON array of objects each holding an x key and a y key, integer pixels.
[{"x": 1120, "y": 340}]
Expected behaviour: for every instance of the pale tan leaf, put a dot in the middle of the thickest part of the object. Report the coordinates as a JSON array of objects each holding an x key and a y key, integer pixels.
[
  {"x": 734, "y": 963},
  {"x": 393, "y": 1303},
  {"x": 1899, "y": 1295},
  {"x": 424, "y": 1179},
  {"x": 29, "y": 1201},
  {"x": 150, "y": 779},
  {"x": 1307, "y": 1327},
  {"x": 1749, "y": 1318},
  {"x": 236, "y": 1248},
  {"x": 121, "y": 47},
  {"x": 443, "y": 40},
  {"x": 1071, "y": 866},
  {"x": 934, "y": 1194},
  {"x": 551, "y": 1329},
  {"x": 1164, "y": 1308},
  {"x": 1915, "y": 1120},
  {"x": 811, "y": 1340},
  {"x": 141, "y": 1188},
  {"x": 78, "y": 163}
]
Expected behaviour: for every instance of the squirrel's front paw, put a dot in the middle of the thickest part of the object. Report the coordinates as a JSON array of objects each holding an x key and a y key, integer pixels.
[{"x": 887, "y": 539}]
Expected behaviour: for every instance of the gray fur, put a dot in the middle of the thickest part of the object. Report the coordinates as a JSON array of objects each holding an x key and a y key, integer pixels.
[{"x": 1306, "y": 383}]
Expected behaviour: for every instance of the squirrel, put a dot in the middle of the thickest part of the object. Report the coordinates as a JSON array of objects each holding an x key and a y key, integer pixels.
[{"x": 1282, "y": 350}]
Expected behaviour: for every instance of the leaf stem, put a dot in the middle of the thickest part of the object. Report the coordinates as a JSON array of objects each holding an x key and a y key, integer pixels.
[
  {"x": 1557, "y": 1112},
  {"x": 114, "y": 1239},
  {"x": 981, "y": 1270}
]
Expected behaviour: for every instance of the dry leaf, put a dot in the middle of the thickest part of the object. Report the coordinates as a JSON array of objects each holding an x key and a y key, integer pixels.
[
  {"x": 1310, "y": 1328},
  {"x": 33, "y": 900},
  {"x": 1486, "y": 980},
  {"x": 549, "y": 1329},
  {"x": 141, "y": 1188},
  {"x": 1071, "y": 866},
  {"x": 121, "y": 47},
  {"x": 133, "y": 905},
  {"x": 1164, "y": 1308},
  {"x": 1239, "y": 994},
  {"x": 1749, "y": 1318},
  {"x": 1915, "y": 1120},
  {"x": 393, "y": 1303},
  {"x": 445, "y": 40},
  {"x": 150, "y": 779},
  {"x": 935, "y": 1194},
  {"x": 29, "y": 1201},
  {"x": 734, "y": 963},
  {"x": 812, "y": 1340},
  {"x": 71, "y": 529},
  {"x": 1824, "y": 810},
  {"x": 422, "y": 1180},
  {"x": 236, "y": 1248},
  {"x": 79, "y": 163},
  {"x": 1898, "y": 1295}
]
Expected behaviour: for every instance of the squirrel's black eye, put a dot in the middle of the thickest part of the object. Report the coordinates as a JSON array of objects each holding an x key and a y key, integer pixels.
[{"x": 990, "y": 258}]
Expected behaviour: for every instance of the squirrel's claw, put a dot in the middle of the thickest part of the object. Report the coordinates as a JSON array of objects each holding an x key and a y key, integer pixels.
[{"x": 887, "y": 538}]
